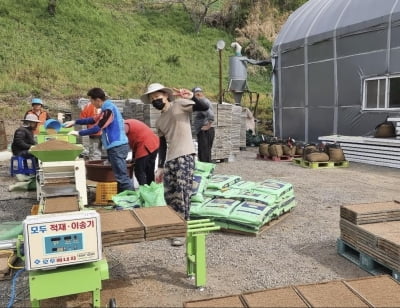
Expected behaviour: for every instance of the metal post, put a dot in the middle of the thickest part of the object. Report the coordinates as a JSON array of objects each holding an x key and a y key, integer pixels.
[
  {"x": 220, "y": 46},
  {"x": 220, "y": 75},
  {"x": 196, "y": 249}
]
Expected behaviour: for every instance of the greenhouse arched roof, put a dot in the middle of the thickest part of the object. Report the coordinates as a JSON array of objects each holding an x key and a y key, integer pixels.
[{"x": 319, "y": 20}]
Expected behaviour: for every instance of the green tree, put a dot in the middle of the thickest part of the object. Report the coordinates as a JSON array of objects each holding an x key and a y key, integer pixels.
[{"x": 197, "y": 11}]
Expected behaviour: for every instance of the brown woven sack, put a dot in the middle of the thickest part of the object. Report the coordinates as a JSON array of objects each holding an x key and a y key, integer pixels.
[
  {"x": 263, "y": 149},
  {"x": 286, "y": 149},
  {"x": 385, "y": 130},
  {"x": 289, "y": 150},
  {"x": 299, "y": 150},
  {"x": 275, "y": 150},
  {"x": 336, "y": 154},
  {"x": 309, "y": 149},
  {"x": 317, "y": 156}
]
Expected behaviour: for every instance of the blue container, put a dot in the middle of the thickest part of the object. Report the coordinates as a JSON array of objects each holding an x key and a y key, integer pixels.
[{"x": 54, "y": 124}]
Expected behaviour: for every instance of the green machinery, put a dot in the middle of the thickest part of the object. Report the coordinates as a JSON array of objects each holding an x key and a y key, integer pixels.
[
  {"x": 63, "y": 254},
  {"x": 196, "y": 249},
  {"x": 63, "y": 250},
  {"x": 68, "y": 280}
]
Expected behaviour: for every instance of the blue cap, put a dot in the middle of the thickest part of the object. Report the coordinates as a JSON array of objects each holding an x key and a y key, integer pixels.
[{"x": 37, "y": 101}]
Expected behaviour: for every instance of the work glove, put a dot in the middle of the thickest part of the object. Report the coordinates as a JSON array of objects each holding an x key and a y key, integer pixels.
[
  {"x": 73, "y": 133},
  {"x": 69, "y": 123},
  {"x": 159, "y": 176},
  {"x": 60, "y": 117}
]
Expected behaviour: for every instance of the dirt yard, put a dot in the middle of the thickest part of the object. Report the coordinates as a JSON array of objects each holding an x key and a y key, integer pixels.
[{"x": 298, "y": 249}]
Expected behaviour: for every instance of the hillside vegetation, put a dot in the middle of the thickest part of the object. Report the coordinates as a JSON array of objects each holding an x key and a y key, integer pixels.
[{"x": 119, "y": 45}]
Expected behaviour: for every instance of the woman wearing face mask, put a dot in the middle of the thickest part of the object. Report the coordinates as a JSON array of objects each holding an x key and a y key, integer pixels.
[{"x": 176, "y": 153}]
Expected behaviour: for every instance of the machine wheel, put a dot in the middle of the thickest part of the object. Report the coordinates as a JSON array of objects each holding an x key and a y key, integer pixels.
[{"x": 112, "y": 303}]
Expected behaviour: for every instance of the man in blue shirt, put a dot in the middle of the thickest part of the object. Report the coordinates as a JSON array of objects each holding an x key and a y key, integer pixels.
[{"x": 113, "y": 137}]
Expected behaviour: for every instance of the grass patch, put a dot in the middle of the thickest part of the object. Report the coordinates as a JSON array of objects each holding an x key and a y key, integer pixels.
[{"x": 116, "y": 45}]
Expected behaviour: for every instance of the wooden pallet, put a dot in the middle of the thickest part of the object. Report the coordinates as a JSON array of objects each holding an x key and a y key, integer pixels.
[
  {"x": 364, "y": 261},
  {"x": 368, "y": 150},
  {"x": 318, "y": 164},
  {"x": 275, "y": 158}
]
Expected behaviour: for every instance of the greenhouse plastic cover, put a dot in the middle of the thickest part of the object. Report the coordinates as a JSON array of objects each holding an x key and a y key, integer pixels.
[
  {"x": 318, "y": 20},
  {"x": 321, "y": 57}
]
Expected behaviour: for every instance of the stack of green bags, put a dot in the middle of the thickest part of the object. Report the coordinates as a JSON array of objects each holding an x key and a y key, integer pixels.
[{"x": 243, "y": 205}]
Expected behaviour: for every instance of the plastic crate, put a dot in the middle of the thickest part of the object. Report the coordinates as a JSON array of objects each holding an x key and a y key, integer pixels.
[{"x": 104, "y": 192}]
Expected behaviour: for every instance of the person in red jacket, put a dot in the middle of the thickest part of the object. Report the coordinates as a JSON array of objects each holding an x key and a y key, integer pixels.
[
  {"x": 144, "y": 144},
  {"x": 95, "y": 147}
]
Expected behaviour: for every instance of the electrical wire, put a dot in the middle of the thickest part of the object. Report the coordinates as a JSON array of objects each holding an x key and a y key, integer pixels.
[
  {"x": 11, "y": 252},
  {"x": 14, "y": 281}
]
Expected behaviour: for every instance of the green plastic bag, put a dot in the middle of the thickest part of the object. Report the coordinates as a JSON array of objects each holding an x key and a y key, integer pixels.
[
  {"x": 198, "y": 187},
  {"x": 218, "y": 207},
  {"x": 24, "y": 183},
  {"x": 220, "y": 181},
  {"x": 243, "y": 185},
  {"x": 275, "y": 187},
  {"x": 252, "y": 213},
  {"x": 10, "y": 230},
  {"x": 204, "y": 169},
  {"x": 152, "y": 195},
  {"x": 127, "y": 199},
  {"x": 256, "y": 196}
]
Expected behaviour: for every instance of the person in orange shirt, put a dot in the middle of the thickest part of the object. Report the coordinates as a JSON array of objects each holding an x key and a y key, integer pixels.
[
  {"x": 95, "y": 146},
  {"x": 144, "y": 144},
  {"x": 41, "y": 114}
]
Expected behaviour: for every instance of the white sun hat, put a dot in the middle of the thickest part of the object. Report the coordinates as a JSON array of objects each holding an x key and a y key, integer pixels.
[
  {"x": 31, "y": 118},
  {"x": 156, "y": 87}
]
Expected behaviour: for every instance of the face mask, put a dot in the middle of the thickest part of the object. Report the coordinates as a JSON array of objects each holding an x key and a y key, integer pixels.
[{"x": 158, "y": 104}]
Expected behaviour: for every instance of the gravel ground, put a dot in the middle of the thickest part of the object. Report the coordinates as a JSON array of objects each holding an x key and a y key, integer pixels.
[{"x": 298, "y": 249}]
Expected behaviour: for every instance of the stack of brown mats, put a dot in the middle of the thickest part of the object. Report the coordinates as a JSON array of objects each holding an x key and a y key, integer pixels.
[{"x": 120, "y": 227}]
